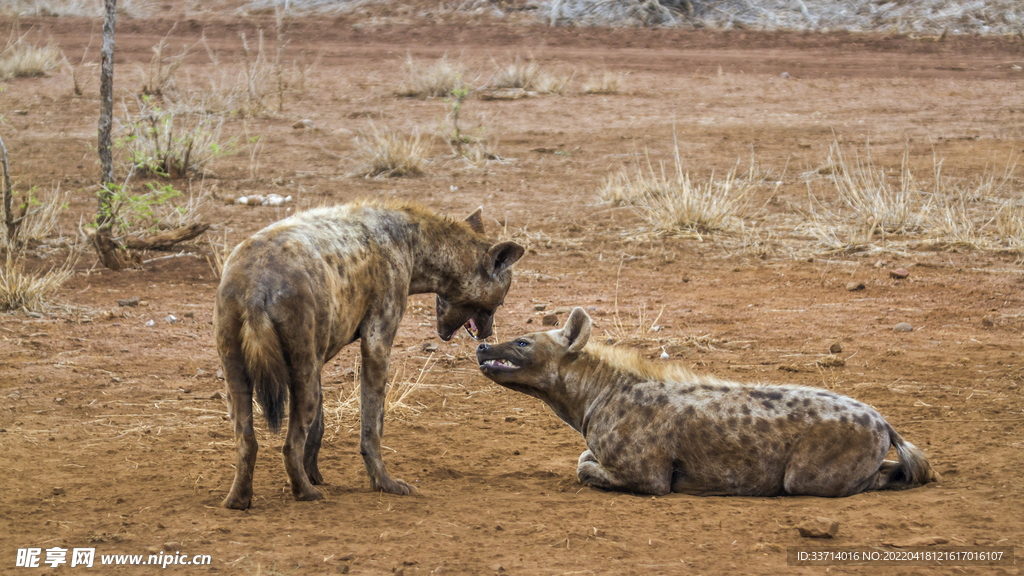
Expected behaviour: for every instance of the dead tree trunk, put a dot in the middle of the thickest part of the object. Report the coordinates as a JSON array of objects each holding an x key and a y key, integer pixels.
[
  {"x": 8, "y": 193},
  {"x": 107, "y": 250}
]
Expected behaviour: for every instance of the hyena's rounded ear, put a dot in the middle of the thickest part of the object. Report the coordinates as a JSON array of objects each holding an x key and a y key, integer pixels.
[
  {"x": 476, "y": 220},
  {"x": 577, "y": 330},
  {"x": 503, "y": 255}
]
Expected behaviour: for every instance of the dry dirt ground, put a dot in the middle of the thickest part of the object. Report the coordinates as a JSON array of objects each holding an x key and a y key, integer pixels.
[{"x": 114, "y": 434}]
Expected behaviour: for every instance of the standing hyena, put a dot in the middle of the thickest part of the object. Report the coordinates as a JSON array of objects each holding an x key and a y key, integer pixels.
[
  {"x": 299, "y": 290},
  {"x": 658, "y": 428}
]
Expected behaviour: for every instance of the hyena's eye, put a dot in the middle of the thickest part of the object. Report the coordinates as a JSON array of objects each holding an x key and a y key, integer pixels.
[{"x": 522, "y": 343}]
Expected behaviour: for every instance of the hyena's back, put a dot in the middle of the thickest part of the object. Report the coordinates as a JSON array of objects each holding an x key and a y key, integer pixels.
[{"x": 729, "y": 438}]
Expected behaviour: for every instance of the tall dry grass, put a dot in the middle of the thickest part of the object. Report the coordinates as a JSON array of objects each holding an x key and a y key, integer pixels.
[
  {"x": 20, "y": 58},
  {"x": 674, "y": 203},
  {"x": 389, "y": 153},
  {"x": 28, "y": 291},
  {"x": 437, "y": 80},
  {"x": 529, "y": 75}
]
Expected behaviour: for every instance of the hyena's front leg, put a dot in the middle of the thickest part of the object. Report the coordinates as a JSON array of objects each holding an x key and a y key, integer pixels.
[
  {"x": 375, "y": 346},
  {"x": 590, "y": 472}
]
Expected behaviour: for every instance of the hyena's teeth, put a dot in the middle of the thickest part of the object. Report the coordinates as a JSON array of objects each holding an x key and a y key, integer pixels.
[{"x": 501, "y": 362}]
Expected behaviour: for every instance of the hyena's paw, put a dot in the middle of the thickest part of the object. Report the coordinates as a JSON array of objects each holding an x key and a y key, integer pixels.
[
  {"x": 237, "y": 501},
  {"x": 308, "y": 495},
  {"x": 393, "y": 486},
  {"x": 587, "y": 456}
]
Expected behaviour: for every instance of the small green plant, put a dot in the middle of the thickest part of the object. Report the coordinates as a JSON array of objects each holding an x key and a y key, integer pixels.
[
  {"x": 458, "y": 97},
  {"x": 169, "y": 144},
  {"x": 137, "y": 213}
]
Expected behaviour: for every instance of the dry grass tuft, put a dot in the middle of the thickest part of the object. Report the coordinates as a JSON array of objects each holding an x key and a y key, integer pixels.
[
  {"x": 344, "y": 407},
  {"x": 675, "y": 204},
  {"x": 38, "y": 216},
  {"x": 604, "y": 83},
  {"x": 529, "y": 76},
  {"x": 1010, "y": 224},
  {"x": 21, "y": 290},
  {"x": 876, "y": 203},
  {"x": 388, "y": 153},
  {"x": 158, "y": 77},
  {"x": 20, "y": 59},
  {"x": 438, "y": 80}
]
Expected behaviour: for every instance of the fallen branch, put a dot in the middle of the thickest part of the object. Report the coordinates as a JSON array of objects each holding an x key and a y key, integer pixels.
[{"x": 168, "y": 239}]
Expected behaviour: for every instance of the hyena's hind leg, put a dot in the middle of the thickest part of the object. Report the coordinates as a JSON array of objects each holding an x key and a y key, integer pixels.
[
  {"x": 314, "y": 438},
  {"x": 590, "y": 472},
  {"x": 239, "y": 393},
  {"x": 304, "y": 403}
]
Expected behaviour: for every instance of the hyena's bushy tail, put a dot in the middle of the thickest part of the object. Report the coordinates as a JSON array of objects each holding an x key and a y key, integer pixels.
[
  {"x": 913, "y": 469},
  {"x": 265, "y": 363}
]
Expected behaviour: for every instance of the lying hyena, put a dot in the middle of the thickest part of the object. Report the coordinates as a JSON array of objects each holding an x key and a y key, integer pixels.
[
  {"x": 300, "y": 289},
  {"x": 657, "y": 428}
]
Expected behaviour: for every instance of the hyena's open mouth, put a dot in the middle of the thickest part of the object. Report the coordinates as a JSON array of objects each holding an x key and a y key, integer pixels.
[
  {"x": 499, "y": 365},
  {"x": 471, "y": 328}
]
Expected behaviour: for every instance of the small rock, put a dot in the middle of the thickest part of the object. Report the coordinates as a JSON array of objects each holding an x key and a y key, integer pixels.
[
  {"x": 58, "y": 491},
  {"x": 880, "y": 264},
  {"x": 497, "y": 567},
  {"x": 171, "y": 319},
  {"x": 562, "y": 310},
  {"x": 676, "y": 350},
  {"x": 899, "y": 273},
  {"x": 143, "y": 302},
  {"x": 785, "y": 76},
  {"x": 131, "y": 302},
  {"x": 150, "y": 323},
  {"x": 14, "y": 395},
  {"x": 429, "y": 347},
  {"x": 220, "y": 373},
  {"x": 591, "y": 308},
  {"x": 21, "y": 113},
  {"x": 819, "y": 527},
  {"x": 529, "y": 320},
  {"x": 171, "y": 546},
  {"x": 303, "y": 124},
  {"x": 216, "y": 396},
  {"x": 539, "y": 307},
  {"x": 664, "y": 355},
  {"x": 550, "y": 320},
  {"x": 851, "y": 286},
  {"x": 343, "y": 569},
  {"x": 987, "y": 322},
  {"x": 189, "y": 314},
  {"x": 58, "y": 400},
  {"x": 835, "y": 348},
  {"x": 903, "y": 327}
]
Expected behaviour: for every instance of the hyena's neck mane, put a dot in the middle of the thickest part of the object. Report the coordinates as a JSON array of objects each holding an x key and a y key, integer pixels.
[{"x": 626, "y": 363}]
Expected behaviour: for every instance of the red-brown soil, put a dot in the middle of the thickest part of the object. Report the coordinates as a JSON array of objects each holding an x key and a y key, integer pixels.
[{"x": 114, "y": 433}]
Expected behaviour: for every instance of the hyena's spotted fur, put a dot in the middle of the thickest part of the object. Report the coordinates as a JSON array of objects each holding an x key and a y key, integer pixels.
[
  {"x": 659, "y": 428},
  {"x": 299, "y": 290}
]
